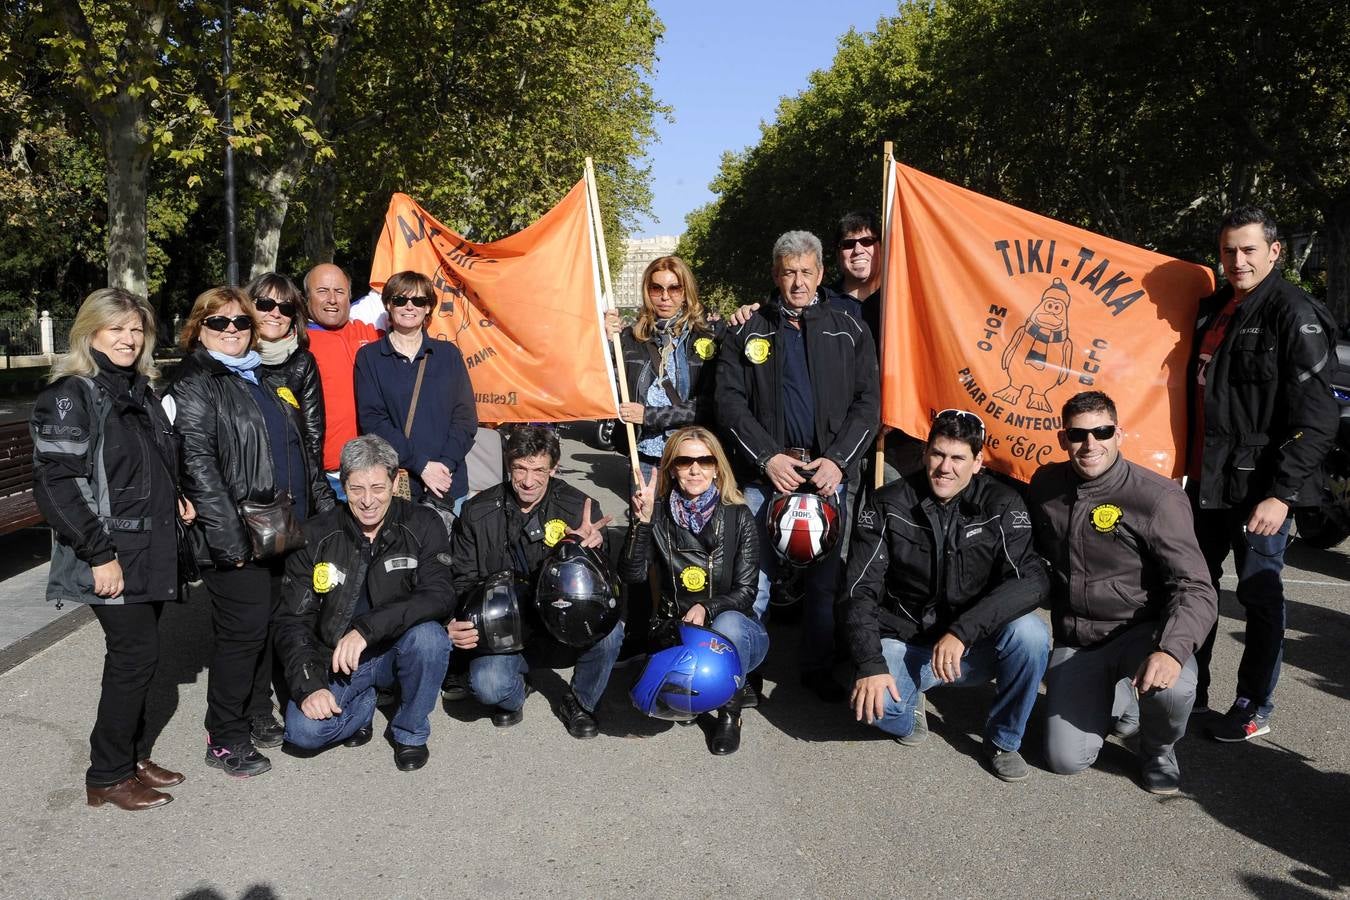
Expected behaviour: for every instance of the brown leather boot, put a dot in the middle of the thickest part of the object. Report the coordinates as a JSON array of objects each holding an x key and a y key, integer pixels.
[
  {"x": 154, "y": 775},
  {"x": 129, "y": 794}
]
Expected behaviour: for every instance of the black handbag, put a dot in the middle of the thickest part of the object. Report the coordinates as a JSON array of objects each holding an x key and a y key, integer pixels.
[
  {"x": 273, "y": 528},
  {"x": 188, "y": 569}
]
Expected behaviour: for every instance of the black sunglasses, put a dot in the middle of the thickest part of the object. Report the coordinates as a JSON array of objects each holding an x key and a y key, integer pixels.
[
  {"x": 220, "y": 323},
  {"x": 419, "y": 302},
  {"x": 1101, "y": 433},
  {"x": 684, "y": 462},
  {"x": 267, "y": 304},
  {"x": 850, "y": 243}
]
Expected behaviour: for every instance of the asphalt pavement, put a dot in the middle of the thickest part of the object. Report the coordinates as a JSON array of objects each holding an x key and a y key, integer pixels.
[{"x": 813, "y": 805}]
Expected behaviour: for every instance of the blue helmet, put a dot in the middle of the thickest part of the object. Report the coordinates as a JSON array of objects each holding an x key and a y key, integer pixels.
[{"x": 697, "y": 675}]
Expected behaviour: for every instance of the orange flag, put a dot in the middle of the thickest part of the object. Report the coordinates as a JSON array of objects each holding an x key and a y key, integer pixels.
[
  {"x": 1007, "y": 314},
  {"x": 524, "y": 310}
]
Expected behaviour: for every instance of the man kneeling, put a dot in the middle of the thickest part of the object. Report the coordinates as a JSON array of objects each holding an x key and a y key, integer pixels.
[
  {"x": 942, "y": 581},
  {"x": 363, "y": 608}
]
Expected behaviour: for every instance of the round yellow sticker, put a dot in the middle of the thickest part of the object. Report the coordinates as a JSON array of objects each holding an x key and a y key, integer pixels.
[
  {"x": 757, "y": 350},
  {"x": 1105, "y": 517},
  {"x": 323, "y": 577},
  {"x": 705, "y": 347},
  {"x": 554, "y": 529},
  {"x": 694, "y": 578},
  {"x": 285, "y": 394}
]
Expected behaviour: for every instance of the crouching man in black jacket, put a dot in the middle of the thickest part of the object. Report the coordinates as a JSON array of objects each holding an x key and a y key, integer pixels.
[
  {"x": 942, "y": 581},
  {"x": 364, "y": 605}
]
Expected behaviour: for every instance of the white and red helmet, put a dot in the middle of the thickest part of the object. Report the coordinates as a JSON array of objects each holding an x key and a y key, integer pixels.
[{"x": 803, "y": 528}]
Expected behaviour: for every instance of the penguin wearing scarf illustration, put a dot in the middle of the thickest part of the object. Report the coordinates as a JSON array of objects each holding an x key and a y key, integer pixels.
[{"x": 1039, "y": 356}]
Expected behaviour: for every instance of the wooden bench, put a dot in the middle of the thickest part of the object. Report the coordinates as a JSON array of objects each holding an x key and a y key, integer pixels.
[{"x": 18, "y": 506}]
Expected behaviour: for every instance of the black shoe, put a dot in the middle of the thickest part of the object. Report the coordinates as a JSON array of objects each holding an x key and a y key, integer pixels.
[
  {"x": 826, "y": 688},
  {"x": 505, "y": 718},
  {"x": 725, "y": 737},
  {"x": 455, "y": 687},
  {"x": 239, "y": 760},
  {"x": 410, "y": 757},
  {"x": 265, "y": 730},
  {"x": 754, "y": 687},
  {"x": 580, "y": 723},
  {"x": 361, "y": 737}
]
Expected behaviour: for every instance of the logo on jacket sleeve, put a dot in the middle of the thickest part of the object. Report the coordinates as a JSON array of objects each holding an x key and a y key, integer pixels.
[
  {"x": 327, "y": 576},
  {"x": 285, "y": 394},
  {"x": 705, "y": 347},
  {"x": 554, "y": 529},
  {"x": 694, "y": 578},
  {"x": 1105, "y": 517},
  {"x": 757, "y": 350},
  {"x": 63, "y": 405}
]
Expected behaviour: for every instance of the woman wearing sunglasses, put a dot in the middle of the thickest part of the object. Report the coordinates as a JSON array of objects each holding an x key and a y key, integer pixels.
[
  {"x": 668, "y": 356},
  {"x": 415, "y": 393},
  {"x": 691, "y": 523},
  {"x": 242, "y": 444}
]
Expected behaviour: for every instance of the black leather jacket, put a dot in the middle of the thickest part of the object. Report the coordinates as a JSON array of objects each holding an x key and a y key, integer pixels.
[
  {"x": 641, "y": 359},
  {"x": 405, "y": 571},
  {"x": 718, "y": 567},
  {"x": 226, "y": 454},
  {"x": 299, "y": 374}
]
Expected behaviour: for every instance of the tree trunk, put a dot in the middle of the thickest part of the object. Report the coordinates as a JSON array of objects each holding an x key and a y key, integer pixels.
[
  {"x": 1337, "y": 217},
  {"x": 318, "y": 240},
  {"x": 276, "y": 191},
  {"x": 128, "y": 172}
]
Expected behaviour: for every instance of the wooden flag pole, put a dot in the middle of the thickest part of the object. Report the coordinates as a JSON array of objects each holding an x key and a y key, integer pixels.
[
  {"x": 887, "y": 150},
  {"x": 593, "y": 198}
]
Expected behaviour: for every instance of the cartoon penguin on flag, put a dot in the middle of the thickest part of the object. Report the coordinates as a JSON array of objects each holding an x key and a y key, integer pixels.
[{"x": 1040, "y": 354}]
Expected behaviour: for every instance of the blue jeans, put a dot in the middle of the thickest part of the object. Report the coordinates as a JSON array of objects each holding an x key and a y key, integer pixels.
[
  {"x": 1259, "y": 562},
  {"x": 821, "y": 583},
  {"x": 746, "y": 634},
  {"x": 1015, "y": 656},
  {"x": 416, "y": 662},
  {"x": 499, "y": 680}
]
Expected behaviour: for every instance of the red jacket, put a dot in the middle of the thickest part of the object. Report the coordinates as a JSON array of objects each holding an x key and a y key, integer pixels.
[{"x": 335, "y": 352}]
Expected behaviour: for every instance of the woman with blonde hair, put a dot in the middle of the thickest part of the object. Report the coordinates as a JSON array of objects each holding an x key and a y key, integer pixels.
[
  {"x": 692, "y": 525},
  {"x": 243, "y": 452},
  {"x": 668, "y": 356},
  {"x": 106, "y": 477}
]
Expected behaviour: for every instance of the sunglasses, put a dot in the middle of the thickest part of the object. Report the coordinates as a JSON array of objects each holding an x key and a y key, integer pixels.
[
  {"x": 221, "y": 323},
  {"x": 419, "y": 302},
  {"x": 267, "y": 304},
  {"x": 656, "y": 291},
  {"x": 960, "y": 414},
  {"x": 1101, "y": 433},
  {"x": 850, "y": 243},
  {"x": 684, "y": 462}
]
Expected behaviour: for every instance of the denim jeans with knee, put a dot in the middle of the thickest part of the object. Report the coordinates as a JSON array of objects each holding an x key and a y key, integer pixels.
[
  {"x": 746, "y": 634},
  {"x": 416, "y": 662},
  {"x": 1015, "y": 656},
  {"x": 499, "y": 680},
  {"x": 1259, "y": 562},
  {"x": 821, "y": 582}
]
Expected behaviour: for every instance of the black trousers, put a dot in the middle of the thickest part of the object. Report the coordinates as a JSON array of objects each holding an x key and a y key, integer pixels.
[
  {"x": 131, "y": 634},
  {"x": 241, "y": 610},
  {"x": 269, "y": 674}
]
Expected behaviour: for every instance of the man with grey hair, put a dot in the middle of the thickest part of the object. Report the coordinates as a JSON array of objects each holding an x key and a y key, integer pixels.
[
  {"x": 798, "y": 403},
  {"x": 363, "y": 607}
]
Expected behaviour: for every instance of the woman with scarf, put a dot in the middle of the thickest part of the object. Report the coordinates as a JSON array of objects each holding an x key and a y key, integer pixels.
[
  {"x": 691, "y": 524},
  {"x": 242, "y": 444},
  {"x": 105, "y": 475},
  {"x": 668, "y": 356}
]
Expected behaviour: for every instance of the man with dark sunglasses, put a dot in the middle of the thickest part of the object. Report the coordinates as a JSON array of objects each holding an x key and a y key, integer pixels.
[
  {"x": 1129, "y": 599},
  {"x": 941, "y": 589}
]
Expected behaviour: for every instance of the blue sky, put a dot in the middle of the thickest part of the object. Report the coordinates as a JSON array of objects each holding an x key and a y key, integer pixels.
[{"x": 723, "y": 66}]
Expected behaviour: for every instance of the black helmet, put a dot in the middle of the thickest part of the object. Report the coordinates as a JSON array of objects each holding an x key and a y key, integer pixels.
[
  {"x": 577, "y": 597},
  {"x": 494, "y": 610}
]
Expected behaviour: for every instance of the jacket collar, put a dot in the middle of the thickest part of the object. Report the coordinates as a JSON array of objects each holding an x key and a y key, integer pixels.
[
  {"x": 387, "y": 346},
  {"x": 398, "y": 511},
  {"x": 1109, "y": 480},
  {"x": 773, "y": 308}
]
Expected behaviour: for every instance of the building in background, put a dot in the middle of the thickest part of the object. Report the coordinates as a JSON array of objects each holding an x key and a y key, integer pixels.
[{"x": 638, "y": 253}]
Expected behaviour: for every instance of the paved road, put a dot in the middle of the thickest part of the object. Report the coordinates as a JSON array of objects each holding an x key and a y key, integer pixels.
[{"x": 813, "y": 805}]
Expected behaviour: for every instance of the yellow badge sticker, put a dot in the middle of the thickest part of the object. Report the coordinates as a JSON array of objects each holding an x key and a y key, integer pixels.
[
  {"x": 285, "y": 394},
  {"x": 325, "y": 574},
  {"x": 705, "y": 347},
  {"x": 1105, "y": 517},
  {"x": 694, "y": 579},
  {"x": 554, "y": 529},
  {"x": 757, "y": 350}
]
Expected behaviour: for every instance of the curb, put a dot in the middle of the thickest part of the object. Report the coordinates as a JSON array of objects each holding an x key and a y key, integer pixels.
[{"x": 26, "y": 648}]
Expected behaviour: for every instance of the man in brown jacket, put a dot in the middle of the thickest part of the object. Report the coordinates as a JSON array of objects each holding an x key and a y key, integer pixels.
[{"x": 1130, "y": 596}]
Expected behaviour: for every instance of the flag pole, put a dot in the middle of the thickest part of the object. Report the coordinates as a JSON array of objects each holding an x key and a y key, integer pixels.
[
  {"x": 593, "y": 199},
  {"x": 887, "y": 154}
]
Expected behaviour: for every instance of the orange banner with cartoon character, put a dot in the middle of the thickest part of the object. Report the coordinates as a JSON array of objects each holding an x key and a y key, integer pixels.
[
  {"x": 525, "y": 310},
  {"x": 1007, "y": 314}
]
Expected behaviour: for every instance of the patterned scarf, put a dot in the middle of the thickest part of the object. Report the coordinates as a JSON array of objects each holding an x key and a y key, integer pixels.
[{"x": 694, "y": 514}]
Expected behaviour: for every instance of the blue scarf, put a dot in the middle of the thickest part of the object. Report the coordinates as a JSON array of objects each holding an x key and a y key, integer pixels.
[
  {"x": 244, "y": 366},
  {"x": 694, "y": 514}
]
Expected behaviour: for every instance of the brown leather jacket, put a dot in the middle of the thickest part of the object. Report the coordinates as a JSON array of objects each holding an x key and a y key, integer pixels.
[{"x": 1121, "y": 550}]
